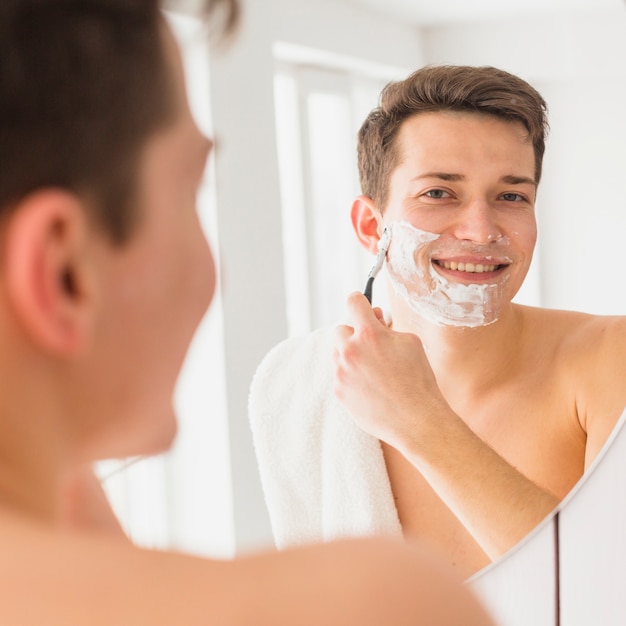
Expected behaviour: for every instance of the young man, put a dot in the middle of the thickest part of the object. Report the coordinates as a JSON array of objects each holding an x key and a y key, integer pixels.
[
  {"x": 468, "y": 418},
  {"x": 99, "y": 164}
]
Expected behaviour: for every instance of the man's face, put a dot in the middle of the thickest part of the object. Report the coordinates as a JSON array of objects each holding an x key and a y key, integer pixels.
[
  {"x": 155, "y": 291},
  {"x": 461, "y": 206}
]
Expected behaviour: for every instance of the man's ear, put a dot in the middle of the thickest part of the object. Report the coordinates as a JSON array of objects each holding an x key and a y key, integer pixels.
[
  {"x": 367, "y": 222},
  {"x": 46, "y": 269}
]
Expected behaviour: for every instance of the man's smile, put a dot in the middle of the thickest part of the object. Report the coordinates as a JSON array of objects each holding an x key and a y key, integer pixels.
[{"x": 485, "y": 267}]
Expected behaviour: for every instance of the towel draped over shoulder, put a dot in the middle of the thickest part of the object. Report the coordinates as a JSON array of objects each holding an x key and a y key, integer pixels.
[{"x": 322, "y": 476}]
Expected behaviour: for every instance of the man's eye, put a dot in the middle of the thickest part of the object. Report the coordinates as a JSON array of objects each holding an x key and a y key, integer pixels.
[
  {"x": 513, "y": 197},
  {"x": 437, "y": 194}
]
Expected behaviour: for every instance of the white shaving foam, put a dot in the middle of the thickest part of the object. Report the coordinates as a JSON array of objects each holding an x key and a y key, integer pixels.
[{"x": 427, "y": 292}]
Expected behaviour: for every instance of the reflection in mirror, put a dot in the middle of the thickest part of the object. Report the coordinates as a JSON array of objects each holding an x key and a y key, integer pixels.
[
  {"x": 341, "y": 54},
  {"x": 544, "y": 396}
]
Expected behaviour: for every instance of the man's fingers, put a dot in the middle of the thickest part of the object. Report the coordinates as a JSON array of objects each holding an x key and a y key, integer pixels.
[
  {"x": 343, "y": 332},
  {"x": 361, "y": 313},
  {"x": 341, "y": 335},
  {"x": 378, "y": 312}
]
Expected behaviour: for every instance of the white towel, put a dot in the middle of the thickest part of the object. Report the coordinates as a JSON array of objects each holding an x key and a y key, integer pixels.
[{"x": 323, "y": 477}]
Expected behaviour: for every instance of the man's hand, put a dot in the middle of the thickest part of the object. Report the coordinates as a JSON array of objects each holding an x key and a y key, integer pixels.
[{"x": 383, "y": 377}]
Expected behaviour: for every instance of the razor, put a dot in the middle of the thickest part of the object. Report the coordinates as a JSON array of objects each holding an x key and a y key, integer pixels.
[{"x": 383, "y": 246}]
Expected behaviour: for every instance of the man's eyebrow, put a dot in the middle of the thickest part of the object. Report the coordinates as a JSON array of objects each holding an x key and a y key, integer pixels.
[
  {"x": 518, "y": 180},
  {"x": 510, "y": 179},
  {"x": 441, "y": 176}
]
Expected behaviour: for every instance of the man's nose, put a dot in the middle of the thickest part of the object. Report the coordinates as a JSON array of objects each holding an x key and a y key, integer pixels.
[{"x": 477, "y": 222}]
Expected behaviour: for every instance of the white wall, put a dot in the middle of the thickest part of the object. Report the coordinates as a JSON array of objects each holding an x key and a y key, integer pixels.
[{"x": 346, "y": 30}]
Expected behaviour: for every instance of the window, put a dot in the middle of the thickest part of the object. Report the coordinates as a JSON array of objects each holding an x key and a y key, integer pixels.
[{"x": 318, "y": 113}]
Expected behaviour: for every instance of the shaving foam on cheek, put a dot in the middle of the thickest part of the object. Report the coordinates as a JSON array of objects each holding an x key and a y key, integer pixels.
[{"x": 427, "y": 292}]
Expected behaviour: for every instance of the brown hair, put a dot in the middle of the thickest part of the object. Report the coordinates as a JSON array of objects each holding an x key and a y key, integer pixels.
[
  {"x": 83, "y": 83},
  {"x": 485, "y": 90}
]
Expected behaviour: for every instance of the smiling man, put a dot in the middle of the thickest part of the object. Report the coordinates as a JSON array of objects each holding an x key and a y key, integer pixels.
[{"x": 467, "y": 418}]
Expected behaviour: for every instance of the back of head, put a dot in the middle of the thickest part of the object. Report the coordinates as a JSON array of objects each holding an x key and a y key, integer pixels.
[
  {"x": 482, "y": 90},
  {"x": 83, "y": 83}
]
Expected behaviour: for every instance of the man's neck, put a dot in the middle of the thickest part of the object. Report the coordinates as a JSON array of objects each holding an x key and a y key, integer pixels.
[
  {"x": 467, "y": 361},
  {"x": 32, "y": 446}
]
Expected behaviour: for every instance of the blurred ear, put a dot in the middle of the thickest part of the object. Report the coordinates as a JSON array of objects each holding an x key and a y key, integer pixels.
[
  {"x": 47, "y": 272},
  {"x": 367, "y": 222}
]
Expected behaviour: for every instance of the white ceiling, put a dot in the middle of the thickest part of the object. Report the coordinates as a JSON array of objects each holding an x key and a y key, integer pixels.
[{"x": 432, "y": 12}]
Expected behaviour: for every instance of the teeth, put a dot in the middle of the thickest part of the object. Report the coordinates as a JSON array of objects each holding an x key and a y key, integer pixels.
[{"x": 477, "y": 268}]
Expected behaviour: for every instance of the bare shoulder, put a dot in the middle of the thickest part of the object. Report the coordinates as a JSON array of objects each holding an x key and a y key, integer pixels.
[
  {"x": 590, "y": 353},
  {"x": 581, "y": 337},
  {"x": 592, "y": 348},
  {"x": 599, "y": 367},
  {"x": 362, "y": 581},
  {"x": 606, "y": 333},
  {"x": 81, "y": 579}
]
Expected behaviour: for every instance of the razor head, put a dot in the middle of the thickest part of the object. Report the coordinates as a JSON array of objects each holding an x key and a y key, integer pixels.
[
  {"x": 384, "y": 241},
  {"x": 383, "y": 246}
]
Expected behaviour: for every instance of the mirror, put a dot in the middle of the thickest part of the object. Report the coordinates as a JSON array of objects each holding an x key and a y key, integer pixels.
[{"x": 574, "y": 58}]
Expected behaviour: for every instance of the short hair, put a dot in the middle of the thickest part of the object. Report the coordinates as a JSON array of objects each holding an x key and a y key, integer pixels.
[
  {"x": 83, "y": 84},
  {"x": 483, "y": 90}
]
